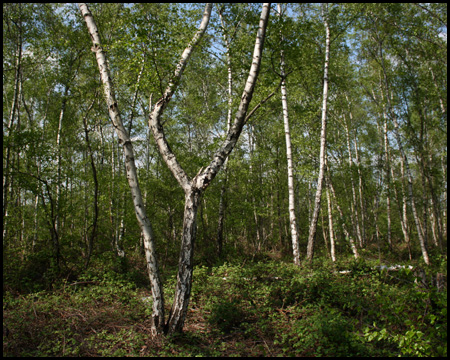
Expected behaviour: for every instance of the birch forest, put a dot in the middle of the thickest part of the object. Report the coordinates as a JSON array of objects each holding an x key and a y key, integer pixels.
[{"x": 224, "y": 179}]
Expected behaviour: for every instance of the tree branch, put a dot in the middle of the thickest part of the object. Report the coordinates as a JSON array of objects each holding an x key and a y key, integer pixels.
[{"x": 154, "y": 120}]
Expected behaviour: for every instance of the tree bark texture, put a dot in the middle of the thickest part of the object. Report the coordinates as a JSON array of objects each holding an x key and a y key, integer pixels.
[{"x": 124, "y": 139}]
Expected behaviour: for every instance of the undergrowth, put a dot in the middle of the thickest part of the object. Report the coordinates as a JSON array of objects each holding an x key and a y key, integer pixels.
[{"x": 265, "y": 308}]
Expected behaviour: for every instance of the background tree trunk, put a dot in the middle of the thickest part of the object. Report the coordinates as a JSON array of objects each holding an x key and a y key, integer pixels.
[
  {"x": 290, "y": 166},
  {"x": 323, "y": 135}
]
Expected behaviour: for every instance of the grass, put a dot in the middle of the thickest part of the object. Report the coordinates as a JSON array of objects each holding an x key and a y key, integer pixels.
[{"x": 265, "y": 308}]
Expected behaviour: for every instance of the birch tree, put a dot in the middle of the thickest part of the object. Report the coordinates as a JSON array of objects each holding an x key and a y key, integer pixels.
[
  {"x": 125, "y": 141},
  {"x": 290, "y": 166},
  {"x": 323, "y": 133},
  {"x": 227, "y": 40},
  {"x": 195, "y": 187}
]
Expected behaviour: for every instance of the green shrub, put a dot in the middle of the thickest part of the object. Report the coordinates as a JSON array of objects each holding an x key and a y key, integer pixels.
[
  {"x": 226, "y": 315},
  {"x": 316, "y": 331}
]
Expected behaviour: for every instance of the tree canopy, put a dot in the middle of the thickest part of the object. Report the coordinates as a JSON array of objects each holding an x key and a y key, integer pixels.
[{"x": 66, "y": 171}]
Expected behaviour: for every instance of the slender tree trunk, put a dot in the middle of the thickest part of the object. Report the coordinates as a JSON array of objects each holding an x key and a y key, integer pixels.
[
  {"x": 347, "y": 235},
  {"x": 124, "y": 139},
  {"x": 12, "y": 115},
  {"x": 330, "y": 226},
  {"x": 386, "y": 167},
  {"x": 112, "y": 195},
  {"x": 403, "y": 222},
  {"x": 58, "y": 159},
  {"x": 411, "y": 196},
  {"x": 290, "y": 166},
  {"x": 119, "y": 226},
  {"x": 361, "y": 193},
  {"x": 177, "y": 314},
  {"x": 438, "y": 90},
  {"x": 436, "y": 218},
  {"x": 229, "y": 115},
  {"x": 405, "y": 209},
  {"x": 94, "y": 175},
  {"x": 251, "y": 146},
  {"x": 313, "y": 226},
  {"x": 354, "y": 205},
  {"x": 444, "y": 209},
  {"x": 422, "y": 240}
]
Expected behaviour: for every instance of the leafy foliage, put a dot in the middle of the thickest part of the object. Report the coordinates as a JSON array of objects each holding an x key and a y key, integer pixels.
[
  {"x": 386, "y": 63},
  {"x": 261, "y": 308}
]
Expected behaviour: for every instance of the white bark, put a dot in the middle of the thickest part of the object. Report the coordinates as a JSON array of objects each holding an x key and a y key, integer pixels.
[
  {"x": 404, "y": 158},
  {"x": 387, "y": 169},
  {"x": 344, "y": 227},
  {"x": 290, "y": 166},
  {"x": 154, "y": 118},
  {"x": 229, "y": 118},
  {"x": 361, "y": 197},
  {"x": 403, "y": 221},
  {"x": 58, "y": 159},
  {"x": 233, "y": 135},
  {"x": 17, "y": 89},
  {"x": 331, "y": 228},
  {"x": 323, "y": 132},
  {"x": 194, "y": 188},
  {"x": 124, "y": 139},
  {"x": 354, "y": 205}
]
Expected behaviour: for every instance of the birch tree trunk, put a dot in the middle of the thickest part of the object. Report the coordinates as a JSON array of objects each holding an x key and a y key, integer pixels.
[
  {"x": 290, "y": 166},
  {"x": 331, "y": 227},
  {"x": 194, "y": 188},
  {"x": 251, "y": 148},
  {"x": 404, "y": 158},
  {"x": 323, "y": 132},
  {"x": 344, "y": 227},
  {"x": 94, "y": 176},
  {"x": 124, "y": 139},
  {"x": 354, "y": 205},
  {"x": 403, "y": 221},
  {"x": 361, "y": 193},
  {"x": 58, "y": 159},
  {"x": 410, "y": 193},
  {"x": 387, "y": 168},
  {"x": 229, "y": 115},
  {"x": 14, "y": 109}
]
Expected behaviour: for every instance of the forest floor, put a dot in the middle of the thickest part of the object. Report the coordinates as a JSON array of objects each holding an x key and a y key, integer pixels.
[{"x": 264, "y": 308}]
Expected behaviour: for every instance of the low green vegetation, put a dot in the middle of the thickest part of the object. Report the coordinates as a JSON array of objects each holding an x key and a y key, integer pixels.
[{"x": 262, "y": 308}]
